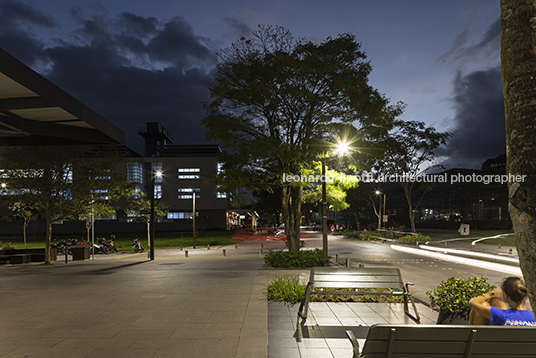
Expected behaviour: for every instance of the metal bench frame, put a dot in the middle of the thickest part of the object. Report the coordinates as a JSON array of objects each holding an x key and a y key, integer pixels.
[
  {"x": 449, "y": 341},
  {"x": 363, "y": 280}
]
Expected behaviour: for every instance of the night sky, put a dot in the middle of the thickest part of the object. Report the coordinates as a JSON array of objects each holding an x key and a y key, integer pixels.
[{"x": 138, "y": 61}]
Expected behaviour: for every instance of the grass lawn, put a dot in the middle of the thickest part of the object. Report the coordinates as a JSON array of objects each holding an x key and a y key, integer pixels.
[{"x": 123, "y": 240}]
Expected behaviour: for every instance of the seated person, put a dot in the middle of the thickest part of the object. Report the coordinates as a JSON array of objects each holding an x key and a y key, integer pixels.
[{"x": 491, "y": 308}]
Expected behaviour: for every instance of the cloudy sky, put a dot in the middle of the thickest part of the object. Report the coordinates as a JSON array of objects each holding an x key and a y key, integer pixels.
[{"x": 137, "y": 61}]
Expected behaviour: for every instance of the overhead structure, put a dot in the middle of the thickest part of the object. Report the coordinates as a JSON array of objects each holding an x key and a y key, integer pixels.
[{"x": 34, "y": 111}]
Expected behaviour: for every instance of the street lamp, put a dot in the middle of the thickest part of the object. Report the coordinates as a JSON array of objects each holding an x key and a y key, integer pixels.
[
  {"x": 194, "y": 233},
  {"x": 341, "y": 149},
  {"x": 381, "y": 214},
  {"x": 154, "y": 174}
]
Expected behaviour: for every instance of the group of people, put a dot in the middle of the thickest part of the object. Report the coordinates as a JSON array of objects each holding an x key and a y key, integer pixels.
[{"x": 505, "y": 306}]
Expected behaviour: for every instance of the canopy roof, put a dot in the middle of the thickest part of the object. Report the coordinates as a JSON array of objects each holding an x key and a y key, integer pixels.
[{"x": 34, "y": 111}]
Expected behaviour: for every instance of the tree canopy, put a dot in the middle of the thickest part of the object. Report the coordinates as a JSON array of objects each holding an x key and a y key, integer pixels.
[
  {"x": 60, "y": 182},
  {"x": 276, "y": 101}
]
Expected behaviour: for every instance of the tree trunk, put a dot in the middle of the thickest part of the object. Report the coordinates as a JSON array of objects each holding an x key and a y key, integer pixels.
[
  {"x": 407, "y": 191},
  {"x": 48, "y": 240},
  {"x": 518, "y": 59},
  {"x": 26, "y": 222},
  {"x": 291, "y": 204}
]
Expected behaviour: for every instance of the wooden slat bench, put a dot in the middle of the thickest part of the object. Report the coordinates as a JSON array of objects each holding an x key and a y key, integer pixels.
[
  {"x": 446, "y": 341},
  {"x": 330, "y": 281}
]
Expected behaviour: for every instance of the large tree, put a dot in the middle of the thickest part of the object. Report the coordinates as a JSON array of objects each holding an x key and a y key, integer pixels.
[
  {"x": 59, "y": 181},
  {"x": 409, "y": 153},
  {"x": 277, "y": 99},
  {"x": 518, "y": 59}
]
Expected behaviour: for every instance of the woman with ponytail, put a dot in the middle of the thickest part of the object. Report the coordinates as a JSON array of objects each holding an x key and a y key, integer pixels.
[{"x": 491, "y": 308}]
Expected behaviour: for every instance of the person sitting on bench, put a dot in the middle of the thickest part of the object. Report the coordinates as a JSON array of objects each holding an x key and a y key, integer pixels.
[{"x": 491, "y": 309}]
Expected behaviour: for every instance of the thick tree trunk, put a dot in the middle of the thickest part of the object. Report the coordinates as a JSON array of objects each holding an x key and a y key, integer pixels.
[
  {"x": 518, "y": 58},
  {"x": 48, "y": 240},
  {"x": 291, "y": 204},
  {"x": 407, "y": 191}
]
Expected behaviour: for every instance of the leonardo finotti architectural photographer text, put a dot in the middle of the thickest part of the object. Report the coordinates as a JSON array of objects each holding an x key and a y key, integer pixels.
[{"x": 407, "y": 178}]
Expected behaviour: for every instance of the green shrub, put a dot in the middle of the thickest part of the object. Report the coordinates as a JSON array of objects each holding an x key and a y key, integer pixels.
[
  {"x": 285, "y": 289},
  {"x": 411, "y": 239},
  {"x": 5, "y": 244},
  {"x": 369, "y": 236},
  {"x": 302, "y": 258},
  {"x": 454, "y": 294}
]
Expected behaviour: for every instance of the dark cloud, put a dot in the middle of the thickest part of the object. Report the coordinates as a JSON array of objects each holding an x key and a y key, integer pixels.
[
  {"x": 462, "y": 50},
  {"x": 16, "y": 20},
  {"x": 479, "y": 122},
  {"x": 130, "y": 69}
]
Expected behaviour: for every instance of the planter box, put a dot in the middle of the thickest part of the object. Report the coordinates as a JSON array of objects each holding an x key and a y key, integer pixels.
[{"x": 447, "y": 317}]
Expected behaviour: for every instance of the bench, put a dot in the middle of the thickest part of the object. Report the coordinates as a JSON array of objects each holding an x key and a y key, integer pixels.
[
  {"x": 446, "y": 341},
  {"x": 364, "y": 281}
]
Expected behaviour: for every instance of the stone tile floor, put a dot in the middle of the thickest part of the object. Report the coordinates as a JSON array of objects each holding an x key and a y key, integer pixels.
[{"x": 323, "y": 334}]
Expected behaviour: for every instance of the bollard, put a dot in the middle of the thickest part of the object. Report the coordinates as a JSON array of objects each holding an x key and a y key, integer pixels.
[
  {"x": 347, "y": 262},
  {"x": 260, "y": 251},
  {"x": 236, "y": 246},
  {"x": 208, "y": 247},
  {"x": 499, "y": 246},
  {"x": 66, "y": 252},
  {"x": 262, "y": 246},
  {"x": 224, "y": 253},
  {"x": 337, "y": 259},
  {"x": 361, "y": 265},
  {"x": 180, "y": 247},
  {"x": 185, "y": 253},
  {"x": 446, "y": 244}
]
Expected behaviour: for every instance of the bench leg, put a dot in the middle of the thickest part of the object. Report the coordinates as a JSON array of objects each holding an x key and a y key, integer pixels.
[
  {"x": 304, "y": 306},
  {"x": 407, "y": 294},
  {"x": 355, "y": 343}
]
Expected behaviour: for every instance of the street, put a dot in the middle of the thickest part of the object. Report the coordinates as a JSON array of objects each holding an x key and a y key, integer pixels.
[{"x": 425, "y": 272}]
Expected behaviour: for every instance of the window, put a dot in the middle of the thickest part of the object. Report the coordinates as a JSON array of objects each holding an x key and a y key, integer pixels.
[
  {"x": 189, "y": 176},
  {"x": 219, "y": 194},
  {"x": 188, "y": 190},
  {"x": 189, "y": 170},
  {"x": 158, "y": 191},
  {"x": 181, "y": 215},
  {"x": 135, "y": 172},
  {"x": 188, "y": 196},
  {"x": 219, "y": 168}
]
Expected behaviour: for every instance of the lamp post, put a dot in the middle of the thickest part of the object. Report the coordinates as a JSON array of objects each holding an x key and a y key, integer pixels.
[
  {"x": 342, "y": 148},
  {"x": 381, "y": 210},
  {"x": 194, "y": 234},
  {"x": 154, "y": 174},
  {"x": 324, "y": 216}
]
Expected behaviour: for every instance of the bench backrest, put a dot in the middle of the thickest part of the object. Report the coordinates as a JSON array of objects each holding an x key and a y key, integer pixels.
[
  {"x": 449, "y": 341},
  {"x": 333, "y": 277}
]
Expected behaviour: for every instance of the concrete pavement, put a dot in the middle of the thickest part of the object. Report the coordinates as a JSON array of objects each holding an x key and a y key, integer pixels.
[{"x": 202, "y": 305}]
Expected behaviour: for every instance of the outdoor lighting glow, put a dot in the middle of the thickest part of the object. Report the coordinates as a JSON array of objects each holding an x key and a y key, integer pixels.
[
  {"x": 470, "y": 253},
  {"x": 378, "y": 192},
  {"x": 3, "y": 185},
  {"x": 506, "y": 269},
  {"x": 342, "y": 148},
  {"x": 158, "y": 173}
]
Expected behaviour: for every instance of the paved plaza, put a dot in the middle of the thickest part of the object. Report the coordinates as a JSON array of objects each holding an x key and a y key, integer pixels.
[{"x": 203, "y": 305}]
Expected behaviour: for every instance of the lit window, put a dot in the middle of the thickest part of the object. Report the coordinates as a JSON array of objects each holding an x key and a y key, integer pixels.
[
  {"x": 181, "y": 215},
  {"x": 189, "y": 176},
  {"x": 189, "y": 170},
  {"x": 186, "y": 196},
  {"x": 220, "y": 195},
  {"x": 158, "y": 191}
]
